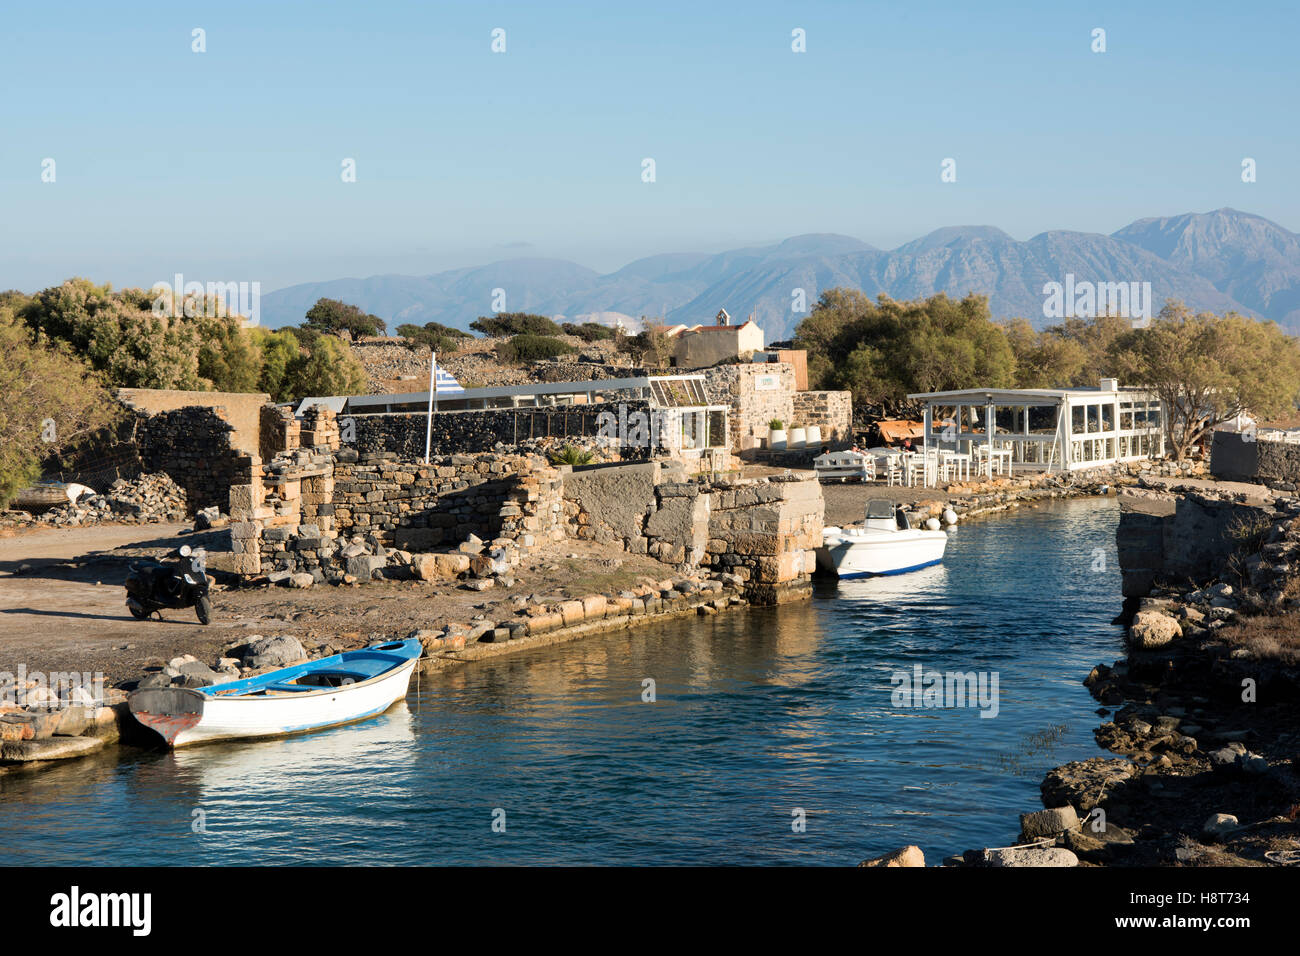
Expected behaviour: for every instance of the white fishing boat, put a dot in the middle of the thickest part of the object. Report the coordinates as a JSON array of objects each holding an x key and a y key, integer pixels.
[
  {"x": 885, "y": 544},
  {"x": 334, "y": 690}
]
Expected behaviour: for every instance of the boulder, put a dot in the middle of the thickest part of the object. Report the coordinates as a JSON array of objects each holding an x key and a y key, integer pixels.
[
  {"x": 278, "y": 651},
  {"x": 1025, "y": 856},
  {"x": 1219, "y": 825},
  {"x": 58, "y": 748},
  {"x": 1084, "y": 784},
  {"x": 1047, "y": 823},
  {"x": 364, "y": 566},
  {"x": 907, "y": 856},
  {"x": 301, "y": 580},
  {"x": 1153, "y": 629},
  {"x": 75, "y": 721}
]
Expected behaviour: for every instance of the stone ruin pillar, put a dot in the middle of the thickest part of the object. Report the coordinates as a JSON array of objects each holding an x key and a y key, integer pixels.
[
  {"x": 320, "y": 429},
  {"x": 248, "y": 515}
]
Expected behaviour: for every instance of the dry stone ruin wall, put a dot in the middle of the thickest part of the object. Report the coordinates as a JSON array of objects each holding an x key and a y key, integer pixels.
[
  {"x": 472, "y": 432},
  {"x": 193, "y": 446},
  {"x": 761, "y": 532}
]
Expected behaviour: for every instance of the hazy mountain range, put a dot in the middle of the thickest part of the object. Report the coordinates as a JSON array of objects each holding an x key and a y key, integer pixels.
[{"x": 1217, "y": 261}]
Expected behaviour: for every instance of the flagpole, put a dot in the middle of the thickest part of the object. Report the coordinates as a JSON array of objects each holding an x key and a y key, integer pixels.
[{"x": 433, "y": 387}]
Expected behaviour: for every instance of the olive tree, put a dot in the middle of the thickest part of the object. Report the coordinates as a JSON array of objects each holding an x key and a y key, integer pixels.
[{"x": 1208, "y": 368}]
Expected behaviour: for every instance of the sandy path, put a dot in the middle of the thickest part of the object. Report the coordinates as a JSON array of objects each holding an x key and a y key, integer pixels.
[{"x": 68, "y": 612}]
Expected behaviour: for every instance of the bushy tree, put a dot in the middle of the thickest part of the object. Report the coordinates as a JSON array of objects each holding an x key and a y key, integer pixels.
[
  {"x": 528, "y": 348},
  {"x": 229, "y": 356},
  {"x": 886, "y": 349},
  {"x": 433, "y": 335},
  {"x": 1207, "y": 368},
  {"x": 591, "y": 331},
  {"x": 330, "y": 369},
  {"x": 119, "y": 334},
  {"x": 190, "y": 344},
  {"x": 651, "y": 346},
  {"x": 331, "y": 315},
  {"x": 52, "y": 401},
  {"x": 514, "y": 323},
  {"x": 1044, "y": 360},
  {"x": 281, "y": 355}
]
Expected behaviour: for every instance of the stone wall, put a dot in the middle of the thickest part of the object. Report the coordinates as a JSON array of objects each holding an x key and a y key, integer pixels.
[
  {"x": 1235, "y": 456},
  {"x": 242, "y": 409},
  {"x": 764, "y": 532},
  {"x": 1180, "y": 538},
  {"x": 193, "y": 446},
  {"x": 384, "y": 516},
  {"x": 279, "y": 431},
  {"x": 832, "y": 412},
  {"x": 472, "y": 432},
  {"x": 753, "y": 404},
  {"x": 418, "y": 507}
]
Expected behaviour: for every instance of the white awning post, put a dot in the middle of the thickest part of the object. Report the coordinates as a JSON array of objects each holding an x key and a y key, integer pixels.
[
  {"x": 988, "y": 428},
  {"x": 433, "y": 389}
]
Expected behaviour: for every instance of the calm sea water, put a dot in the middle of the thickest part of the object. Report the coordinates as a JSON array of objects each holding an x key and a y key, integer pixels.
[{"x": 761, "y": 718}]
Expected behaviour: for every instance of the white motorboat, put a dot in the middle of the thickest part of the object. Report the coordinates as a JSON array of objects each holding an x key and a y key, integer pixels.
[
  {"x": 327, "y": 692},
  {"x": 885, "y": 544}
]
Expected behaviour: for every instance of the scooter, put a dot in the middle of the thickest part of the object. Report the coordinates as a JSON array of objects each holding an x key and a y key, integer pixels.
[{"x": 153, "y": 585}]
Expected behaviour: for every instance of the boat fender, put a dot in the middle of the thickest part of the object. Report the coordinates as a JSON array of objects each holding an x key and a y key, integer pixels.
[
  {"x": 932, "y": 524},
  {"x": 949, "y": 516}
]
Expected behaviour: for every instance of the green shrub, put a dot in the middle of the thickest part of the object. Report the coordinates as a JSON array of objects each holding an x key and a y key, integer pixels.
[
  {"x": 514, "y": 323},
  {"x": 528, "y": 348},
  {"x": 776, "y": 425},
  {"x": 590, "y": 331},
  {"x": 569, "y": 455},
  {"x": 433, "y": 335}
]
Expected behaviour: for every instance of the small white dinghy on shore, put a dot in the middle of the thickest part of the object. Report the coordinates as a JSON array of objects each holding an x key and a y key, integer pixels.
[
  {"x": 886, "y": 544},
  {"x": 334, "y": 690}
]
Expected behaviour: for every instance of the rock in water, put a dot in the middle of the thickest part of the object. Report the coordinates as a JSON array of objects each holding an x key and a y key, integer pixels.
[
  {"x": 907, "y": 856},
  {"x": 1048, "y": 823}
]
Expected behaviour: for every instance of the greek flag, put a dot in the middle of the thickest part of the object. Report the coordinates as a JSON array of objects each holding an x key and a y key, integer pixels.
[{"x": 446, "y": 382}]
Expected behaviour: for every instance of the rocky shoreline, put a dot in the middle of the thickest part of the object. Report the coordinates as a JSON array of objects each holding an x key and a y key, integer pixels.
[
  {"x": 1199, "y": 777},
  {"x": 1203, "y": 720}
]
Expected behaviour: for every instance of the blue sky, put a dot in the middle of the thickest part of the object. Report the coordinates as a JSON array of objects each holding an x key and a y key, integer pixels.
[{"x": 225, "y": 165}]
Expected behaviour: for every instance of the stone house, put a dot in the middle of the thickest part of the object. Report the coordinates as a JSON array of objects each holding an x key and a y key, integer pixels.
[{"x": 705, "y": 345}]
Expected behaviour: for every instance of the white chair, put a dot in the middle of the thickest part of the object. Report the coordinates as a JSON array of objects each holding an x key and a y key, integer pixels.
[{"x": 893, "y": 473}]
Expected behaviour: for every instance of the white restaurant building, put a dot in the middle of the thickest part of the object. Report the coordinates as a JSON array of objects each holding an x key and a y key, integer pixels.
[{"x": 1056, "y": 429}]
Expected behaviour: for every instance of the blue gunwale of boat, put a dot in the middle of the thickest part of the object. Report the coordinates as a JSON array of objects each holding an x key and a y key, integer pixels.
[
  {"x": 363, "y": 664},
  {"x": 884, "y": 574}
]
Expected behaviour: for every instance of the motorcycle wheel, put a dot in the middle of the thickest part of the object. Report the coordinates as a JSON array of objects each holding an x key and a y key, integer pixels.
[
  {"x": 203, "y": 607},
  {"x": 138, "y": 613}
]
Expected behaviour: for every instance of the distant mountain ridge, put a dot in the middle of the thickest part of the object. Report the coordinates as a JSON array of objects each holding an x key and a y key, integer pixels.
[{"x": 1218, "y": 261}]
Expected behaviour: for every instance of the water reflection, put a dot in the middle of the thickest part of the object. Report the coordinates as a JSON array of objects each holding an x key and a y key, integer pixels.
[{"x": 756, "y": 714}]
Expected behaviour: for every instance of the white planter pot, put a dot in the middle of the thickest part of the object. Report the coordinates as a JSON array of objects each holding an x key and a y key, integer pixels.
[
  {"x": 798, "y": 438},
  {"x": 776, "y": 439},
  {"x": 814, "y": 435}
]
